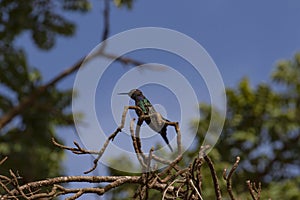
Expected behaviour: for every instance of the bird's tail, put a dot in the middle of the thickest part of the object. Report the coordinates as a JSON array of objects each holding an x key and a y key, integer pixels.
[{"x": 163, "y": 133}]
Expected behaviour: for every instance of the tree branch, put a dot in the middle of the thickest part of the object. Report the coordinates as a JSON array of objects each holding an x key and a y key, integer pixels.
[
  {"x": 253, "y": 189},
  {"x": 173, "y": 182},
  {"x": 214, "y": 177},
  {"x": 30, "y": 100},
  {"x": 228, "y": 177}
]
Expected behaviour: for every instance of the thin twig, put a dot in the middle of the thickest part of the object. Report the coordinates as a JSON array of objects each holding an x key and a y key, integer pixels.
[
  {"x": 174, "y": 176},
  {"x": 16, "y": 184},
  {"x": 202, "y": 151},
  {"x": 214, "y": 177},
  {"x": 173, "y": 164},
  {"x": 3, "y": 160},
  {"x": 78, "y": 150},
  {"x": 198, "y": 193},
  {"x": 169, "y": 186},
  {"x": 7, "y": 190},
  {"x": 150, "y": 157},
  {"x": 199, "y": 175},
  {"x": 177, "y": 129},
  {"x": 258, "y": 191},
  {"x": 111, "y": 137},
  {"x": 106, "y": 20},
  {"x": 228, "y": 177},
  {"x": 137, "y": 146},
  {"x": 253, "y": 189}
]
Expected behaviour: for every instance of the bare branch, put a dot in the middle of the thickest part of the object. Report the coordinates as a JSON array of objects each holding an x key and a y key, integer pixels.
[
  {"x": 111, "y": 137},
  {"x": 214, "y": 177},
  {"x": 150, "y": 157},
  {"x": 137, "y": 144},
  {"x": 198, "y": 193},
  {"x": 253, "y": 189},
  {"x": 4, "y": 186},
  {"x": 30, "y": 100},
  {"x": 228, "y": 177},
  {"x": 180, "y": 184},
  {"x": 106, "y": 20},
  {"x": 115, "y": 181},
  {"x": 177, "y": 129},
  {"x": 78, "y": 150},
  {"x": 3, "y": 160},
  {"x": 169, "y": 186}
]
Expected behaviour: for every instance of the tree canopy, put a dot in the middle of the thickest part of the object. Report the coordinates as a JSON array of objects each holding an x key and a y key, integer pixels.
[
  {"x": 26, "y": 138},
  {"x": 262, "y": 127}
]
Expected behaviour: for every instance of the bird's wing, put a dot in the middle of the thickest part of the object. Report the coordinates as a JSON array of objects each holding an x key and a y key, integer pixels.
[{"x": 146, "y": 106}]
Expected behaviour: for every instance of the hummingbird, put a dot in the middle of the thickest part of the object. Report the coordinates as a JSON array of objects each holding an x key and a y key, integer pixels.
[{"x": 155, "y": 121}]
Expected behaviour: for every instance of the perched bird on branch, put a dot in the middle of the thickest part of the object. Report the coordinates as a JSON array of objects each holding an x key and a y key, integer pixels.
[{"x": 155, "y": 121}]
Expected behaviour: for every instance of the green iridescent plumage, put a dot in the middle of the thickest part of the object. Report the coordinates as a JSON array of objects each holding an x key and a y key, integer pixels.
[{"x": 144, "y": 105}]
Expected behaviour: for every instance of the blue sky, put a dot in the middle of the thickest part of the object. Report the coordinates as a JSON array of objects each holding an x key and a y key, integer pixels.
[
  {"x": 240, "y": 36},
  {"x": 244, "y": 38}
]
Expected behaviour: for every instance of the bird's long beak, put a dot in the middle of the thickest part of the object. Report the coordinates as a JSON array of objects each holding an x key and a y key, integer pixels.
[{"x": 123, "y": 93}]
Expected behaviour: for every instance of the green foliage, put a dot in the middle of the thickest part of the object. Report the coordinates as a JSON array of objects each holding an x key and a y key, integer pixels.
[
  {"x": 262, "y": 127},
  {"x": 288, "y": 189},
  {"x": 121, "y": 3},
  {"x": 42, "y": 18},
  {"x": 76, "y": 5},
  {"x": 26, "y": 140}
]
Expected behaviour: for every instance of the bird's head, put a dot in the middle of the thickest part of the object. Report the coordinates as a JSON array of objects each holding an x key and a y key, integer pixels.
[{"x": 133, "y": 93}]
